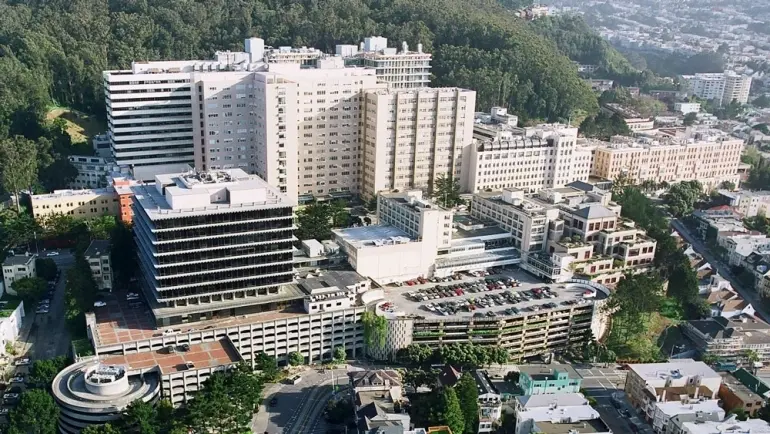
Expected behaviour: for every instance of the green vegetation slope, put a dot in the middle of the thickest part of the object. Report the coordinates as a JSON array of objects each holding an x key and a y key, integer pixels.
[{"x": 57, "y": 49}]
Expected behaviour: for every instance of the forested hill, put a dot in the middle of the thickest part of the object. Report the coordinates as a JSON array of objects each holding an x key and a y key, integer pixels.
[
  {"x": 58, "y": 48},
  {"x": 580, "y": 43}
]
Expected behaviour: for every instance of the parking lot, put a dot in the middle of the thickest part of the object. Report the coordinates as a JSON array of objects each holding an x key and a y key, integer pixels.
[{"x": 505, "y": 293}]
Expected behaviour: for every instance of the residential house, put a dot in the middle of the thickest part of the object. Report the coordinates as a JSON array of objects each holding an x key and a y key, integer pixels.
[
  {"x": 730, "y": 338},
  {"x": 548, "y": 379},
  {"x": 734, "y": 395},
  {"x": 16, "y": 267},
  {"x": 98, "y": 256},
  {"x": 557, "y": 414}
]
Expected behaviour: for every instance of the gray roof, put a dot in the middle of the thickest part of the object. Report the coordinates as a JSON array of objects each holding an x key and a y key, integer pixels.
[
  {"x": 594, "y": 211},
  {"x": 547, "y": 372},
  {"x": 18, "y": 260},
  {"x": 97, "y": 248},
  {"x": 333, "y": 278}
]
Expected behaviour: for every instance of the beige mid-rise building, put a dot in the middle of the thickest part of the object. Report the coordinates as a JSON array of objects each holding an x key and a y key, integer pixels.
[
  {"x": 413, "y": 136},
  {"x": 79, "y": 204},
  {"x": 530, "y": 159},
  {"x": 708, "y": 156}
]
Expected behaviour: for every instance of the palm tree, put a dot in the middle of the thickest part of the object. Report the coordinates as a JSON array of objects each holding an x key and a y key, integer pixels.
[{"x": 752, "y": 357}]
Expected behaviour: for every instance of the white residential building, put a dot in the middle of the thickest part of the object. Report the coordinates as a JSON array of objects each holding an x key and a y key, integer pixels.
[
  {"x": 413, "y": 136},
  {"x": 687, "y": 107},
  {"x": 723, "y": 87},
  {"x": 17, "y": 267},
  {"x": 664, "y": 390},
  {"x": 530, "y": 159},
  {"x": 560, "y": 413}
]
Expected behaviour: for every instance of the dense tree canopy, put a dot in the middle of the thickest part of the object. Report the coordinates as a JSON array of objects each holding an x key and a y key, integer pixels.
[
  {"x": 56, "y": 50},
  {"x": 36, "y": 413}
]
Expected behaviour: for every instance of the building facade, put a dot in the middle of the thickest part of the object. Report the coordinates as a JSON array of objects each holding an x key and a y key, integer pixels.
[
  {"x": 707, "y": 156},
  {"x": 413, "y": 136},
  {"x": 724, "y": 87},
  {"x": 93, "y": 172},
  {"x": 211, "y": 240},
  {"x": 530, "y": 159},
  {"x": 98, "y": 257},
  {"x": 17, "y": 267},
  {"x": 398, "y": 69},
  {"x": 79, "y": 204}
]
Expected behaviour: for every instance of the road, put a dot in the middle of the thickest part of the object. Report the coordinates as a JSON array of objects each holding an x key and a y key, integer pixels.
[
  {"x": 748, "y": 294},
  {"x": 48, "y": 336},
  {"x": 298, "y": 407}
]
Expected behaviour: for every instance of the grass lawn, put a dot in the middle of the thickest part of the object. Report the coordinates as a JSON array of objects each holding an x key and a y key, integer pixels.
[
  {"x": 671, "y": 309},
  {"x": 80, "y": 126}
]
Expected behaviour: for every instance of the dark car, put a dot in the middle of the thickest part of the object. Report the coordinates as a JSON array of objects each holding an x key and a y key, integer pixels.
[{"x": 273, "y": 402}]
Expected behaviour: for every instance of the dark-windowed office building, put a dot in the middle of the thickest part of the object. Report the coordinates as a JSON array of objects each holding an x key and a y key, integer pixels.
[{"x": 213, "y": 244}]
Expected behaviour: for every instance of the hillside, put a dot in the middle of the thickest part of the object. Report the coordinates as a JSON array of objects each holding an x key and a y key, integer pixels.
[{"x": 59, "y": 47}]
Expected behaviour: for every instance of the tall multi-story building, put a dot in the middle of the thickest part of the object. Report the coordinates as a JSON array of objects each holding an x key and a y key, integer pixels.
[
  {"x": 748, "y": 203},
  {"x": 399, "y": 69},
  {"x": 413, "y": 136},
  {"x": 322, "y": 117},
  {"x": 705, "y": 155},
  {"x": 723, "y": 87},
  {"x": 212, "y": 241},
  {"x": 530, "y": 159}
]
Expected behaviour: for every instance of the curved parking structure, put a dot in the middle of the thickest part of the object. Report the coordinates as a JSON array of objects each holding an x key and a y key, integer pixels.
[{"x": 90, "y": 393}]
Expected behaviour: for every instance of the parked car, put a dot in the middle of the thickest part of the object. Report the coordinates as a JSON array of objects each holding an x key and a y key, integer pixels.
[
  {"x": 52, "y": 254},
  {"x": 100, "y": 304},
  {"x": 24, "y": 361}
]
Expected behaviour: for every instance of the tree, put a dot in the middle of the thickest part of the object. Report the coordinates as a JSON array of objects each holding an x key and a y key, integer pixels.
[
  {"x": 43, "y": 371},
  {"x": 468, "y": 395},
  {"x": 375, "y": 329},
  {"x": 418, "y": 377},
  {"x": 140, "y": 417},
  {"x": 415, "y": 354},
  {"x": 268, "y": 365},
  {"x": 296, "y": 358},
  {"x": 46, "y": 268},
  {"x": 447, "y": 410},
  {"x": 446, "y": 191},
  {"x": 762, "y": 101},
  {"x": 727, "y": 185},
  {"x": 681, "y": 197},
  {"x": 710, "y": 359},
  {"x": 314, "y": 222},
  {"x": 37, "y": 413},
  {"x": 339, "y": 214},
  {"x": 226, "y": 403},
  {"x": 101, "y": 429},
  {"x": 689, "y": 119},
  {"x": 740, "y": 414},
  {"x": 621, "y": 181},
  {"x": 18, "y": 165},
  {"x": 30, "y": 289},
  {"x": 339, "y": 354},
  {"x": 751, "y": 357}
]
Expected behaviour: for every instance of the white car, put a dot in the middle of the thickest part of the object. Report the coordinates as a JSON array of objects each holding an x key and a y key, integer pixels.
[
  {"x": 3, "y": 411},
  {"x": 169, "y": 332},
  {"x": 100, "y": 304},
  {"x": 52, "y": 254},
  {"x": 132, "y": 296},
  {"x": 11, "y": 396},
  {"x": 24, "y": 361},
  {"x": 18, "y": 379}
]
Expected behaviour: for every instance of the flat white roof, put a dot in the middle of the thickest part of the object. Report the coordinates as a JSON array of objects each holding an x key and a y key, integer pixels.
[
  {"x": 673, "y": 408},
  {"x": 729, "y": 426},
  {"x": 369, "y": 236},
  {"x": 574, "y": 413},
  {"x": 651, "y": 372},
  {"x": 530, "y": 402}
]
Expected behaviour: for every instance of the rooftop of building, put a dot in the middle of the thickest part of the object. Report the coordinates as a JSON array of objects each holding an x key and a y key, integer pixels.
[
  {"x": 672, "y": 408},
  {"x": 97, "y": 248},
  {"x": 650, "y": 372},
  {"x": 340, "y": 279},
  {"x": 58, "y": 194},
  {"x": 752, "y": 382},
  {"x": 18, "y": 260},
  {"x": 668, "y": 137},
  {"x": 206, "y": 193},
  {"x": 548, "y": 400},
  {"x": 398, "y": 303},
  {"x": 201, "y": 356},
  {"x": 417, "y": 90},
  {"x": 370, "y": 377},
  {"x": 529, "y": 204},
  {"x": 739, "y": 389},
  {"x": 729, "y": 426},
  {"x": 373, "y": 236},
  {"x": 580, "y": 427},
  {"x": 623, "y": 111},
  {"x": 593, "y": 211},
  {"x": 118, "y": 322},
  {"x": 547, "y": 372},
  {"x": 749, "y": 329}
]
